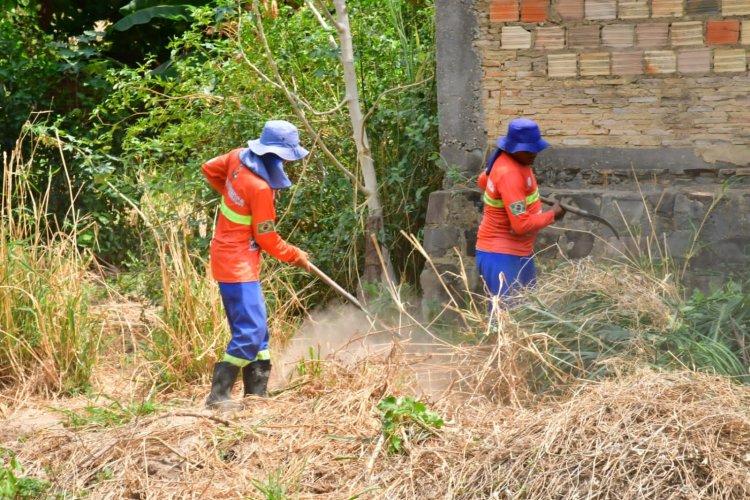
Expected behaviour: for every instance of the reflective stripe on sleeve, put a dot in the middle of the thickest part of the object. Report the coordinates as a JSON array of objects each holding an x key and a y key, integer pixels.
[
  {"x": 499, "y": 203},
  {"x": 492, "y": 202},
  {"x": 245, "y": 220}
]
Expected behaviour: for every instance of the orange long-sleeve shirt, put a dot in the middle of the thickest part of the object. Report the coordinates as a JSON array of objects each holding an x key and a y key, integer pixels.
[
  {"x": 246, "y": 221},
  {"x": 512, "y": 209}
]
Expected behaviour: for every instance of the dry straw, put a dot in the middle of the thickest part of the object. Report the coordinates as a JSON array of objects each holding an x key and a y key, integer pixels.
[
  {"x": 641, "y": 434},
  {"x": 652, "y": 435}
]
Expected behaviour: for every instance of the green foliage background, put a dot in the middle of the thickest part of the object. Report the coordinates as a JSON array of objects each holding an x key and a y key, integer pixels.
[{"x": 137, "y": 134}]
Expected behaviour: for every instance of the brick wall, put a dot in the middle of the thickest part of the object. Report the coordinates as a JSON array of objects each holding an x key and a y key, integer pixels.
[{"x": 618, "y": 74}]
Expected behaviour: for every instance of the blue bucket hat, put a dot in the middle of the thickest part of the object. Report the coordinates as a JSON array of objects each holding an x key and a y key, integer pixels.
[
  {"x": 523, "y": 135},
  {"x": 280, "y": 138}
]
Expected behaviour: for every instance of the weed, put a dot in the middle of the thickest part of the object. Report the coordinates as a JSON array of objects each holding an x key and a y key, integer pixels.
[
  {"x": 405, "y": 418},
  {"x": 712, "y": 332},
  {"x": 13, "y": 484},
  {"x": 275, "y": 488},
  {"x": 113, "y": 415},
  {"x": 193, "y": 327},
  {"x": 312, "y": 366}
]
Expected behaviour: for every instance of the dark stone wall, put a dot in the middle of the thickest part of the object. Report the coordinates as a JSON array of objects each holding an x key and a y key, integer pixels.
[{"x": 462, "y": 138}]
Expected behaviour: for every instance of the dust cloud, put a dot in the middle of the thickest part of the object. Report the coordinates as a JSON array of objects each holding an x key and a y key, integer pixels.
[
  {"x": 343, "y": 333},
  {"x": 339, "y": 331}
]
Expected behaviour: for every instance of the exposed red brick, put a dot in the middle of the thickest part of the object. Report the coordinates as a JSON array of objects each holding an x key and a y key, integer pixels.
[
  {"x": 570, "y": 10},
  {"x": 503, "y": 11},
  {"x": 724, "y": 32},
  {"x": 534, "y": 11},
  {"x": 627, "y": 63}
]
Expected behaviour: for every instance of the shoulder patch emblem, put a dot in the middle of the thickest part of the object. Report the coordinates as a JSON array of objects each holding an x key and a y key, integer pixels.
[
  {"x": 265, "y": 227},
  {"x": 518, "y": 207}
]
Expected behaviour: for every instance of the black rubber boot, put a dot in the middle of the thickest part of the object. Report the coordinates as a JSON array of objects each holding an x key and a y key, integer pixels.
[
  {"x": 221, "y": 387},
  {"x": 255, "y": 377}
]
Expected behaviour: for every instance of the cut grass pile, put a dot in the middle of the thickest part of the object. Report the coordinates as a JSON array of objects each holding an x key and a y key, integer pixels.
[{"x": 649, "y": 434}]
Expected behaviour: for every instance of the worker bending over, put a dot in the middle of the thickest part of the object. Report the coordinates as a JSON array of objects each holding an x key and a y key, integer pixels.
[{"x": 247, "y": 179}]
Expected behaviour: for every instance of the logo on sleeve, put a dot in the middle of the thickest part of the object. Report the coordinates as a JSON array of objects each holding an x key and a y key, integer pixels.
[
  {"x": 518, "y": 207},
  {"x": 265, "y": 227}
]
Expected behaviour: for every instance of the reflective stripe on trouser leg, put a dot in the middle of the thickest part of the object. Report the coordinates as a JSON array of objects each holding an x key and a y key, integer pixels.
[{"x": 246, "y": 313}]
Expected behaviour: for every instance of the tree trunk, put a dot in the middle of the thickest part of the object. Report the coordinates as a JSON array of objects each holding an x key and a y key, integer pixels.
[{"x": 374, "y": 223}]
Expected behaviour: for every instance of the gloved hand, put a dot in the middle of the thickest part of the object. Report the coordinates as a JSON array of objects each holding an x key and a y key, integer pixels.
[
  {"x": 558, "y": 210},
  {"x": 303, "y": 261}
]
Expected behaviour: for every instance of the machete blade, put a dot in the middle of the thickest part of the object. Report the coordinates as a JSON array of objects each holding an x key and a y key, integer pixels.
[{"x": 582, "y": 213}]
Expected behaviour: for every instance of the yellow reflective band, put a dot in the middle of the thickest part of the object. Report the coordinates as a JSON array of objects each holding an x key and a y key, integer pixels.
[
  {"x": 235, "y": 361},
  {"x": 532, "y": 197},
  {"x": 264, "y": 354},
  {"x": 492, "y": 202},
  {"x": 499, "y": 203},
  {"x": 245, "y": 220}
]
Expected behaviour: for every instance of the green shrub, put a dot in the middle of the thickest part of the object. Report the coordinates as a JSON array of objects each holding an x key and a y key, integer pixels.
[{"x": 590, "y": 321}]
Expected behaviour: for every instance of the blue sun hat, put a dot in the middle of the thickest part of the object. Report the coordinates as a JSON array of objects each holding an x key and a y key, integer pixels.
[
  {"x": 523, "y": 135},
  {"x": 264, "y": 157},
  {"x": 280, "y": 138}
]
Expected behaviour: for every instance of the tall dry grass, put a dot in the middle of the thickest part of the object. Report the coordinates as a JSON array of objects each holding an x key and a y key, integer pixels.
[
  {"x": 47, "y": 338},
  {"x": 191, "y": 331}
]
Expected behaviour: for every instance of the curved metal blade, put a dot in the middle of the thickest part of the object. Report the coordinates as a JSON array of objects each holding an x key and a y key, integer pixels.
[{"x": 582, "y": 213}]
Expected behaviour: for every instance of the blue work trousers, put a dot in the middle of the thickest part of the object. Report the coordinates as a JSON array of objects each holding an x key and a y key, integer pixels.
[
  {"x": 505, "y": 275},
  {"x": 246, "y": 313}
]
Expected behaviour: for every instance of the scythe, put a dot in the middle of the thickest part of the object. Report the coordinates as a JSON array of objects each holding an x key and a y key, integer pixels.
[{"x": 581, "y": 213}]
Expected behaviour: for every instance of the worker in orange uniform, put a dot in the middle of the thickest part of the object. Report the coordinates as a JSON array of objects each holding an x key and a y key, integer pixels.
[
  {"x": 512, "y": 211},
  {"x": 247, "y": 179}
]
